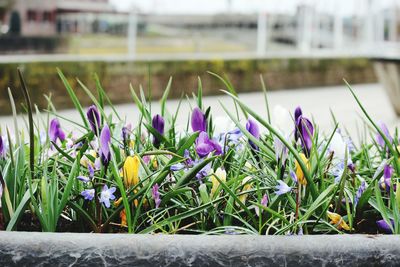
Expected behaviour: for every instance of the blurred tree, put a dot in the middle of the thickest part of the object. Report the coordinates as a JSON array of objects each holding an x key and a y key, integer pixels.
[
  {"x": 15, "y": 23},
  {"x": 5, "y": 6}
]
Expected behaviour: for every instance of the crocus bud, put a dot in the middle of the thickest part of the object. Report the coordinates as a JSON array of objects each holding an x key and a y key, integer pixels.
[
  {"x": 297, "y": 113},
  {"x": 385, "y": 227},
  {"x": 246, "y": 187},
  {"x": 2, "y": 148},
  {"x": 131, "y": 171},
  {"x": 338, "y": 220},
  {"x": 379, "y": 138},
  {"x": 94, "y": 119},
  {"x": 55, "y": 131},
  {"x": 304, "y": 131},
  {"x": 158, "y": 125},
  {"x": 105, "y": 140},
  {"x": 299, "y": 172},
  {"x": 253, "y": 129},
  {"x": 221, "y": 174},
  {"x": 199, "y": 122}
]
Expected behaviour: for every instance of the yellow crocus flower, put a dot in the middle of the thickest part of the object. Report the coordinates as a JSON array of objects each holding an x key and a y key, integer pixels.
[
  {"x": 131, "y": 171},
  {"x": 85, "y": 160},
  {"x": 221, "y": 174},
  {"x": 246, "y": 186},
  {"x": 338, "y": 220},
  {"x": 299, "y": 172}
]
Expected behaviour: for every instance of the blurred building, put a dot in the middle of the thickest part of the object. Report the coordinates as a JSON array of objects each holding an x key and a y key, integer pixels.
[{"x": 44, "y": 17}]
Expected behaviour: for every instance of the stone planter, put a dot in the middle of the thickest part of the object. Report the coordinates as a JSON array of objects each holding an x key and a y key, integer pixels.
[
  {"x": 388, "y": 71},
  {"x": 68, "y": 249}
]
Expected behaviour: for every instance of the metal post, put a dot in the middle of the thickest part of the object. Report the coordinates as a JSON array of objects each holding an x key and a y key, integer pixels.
[
  {"x": 262, "y": 33},
  {"x": 392, "y": 25},
  {"x": 338, "y": 31},
  {"x": 132, "y": 33}
]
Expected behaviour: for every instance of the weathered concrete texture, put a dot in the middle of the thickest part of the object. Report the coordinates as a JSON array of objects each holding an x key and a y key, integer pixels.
[{"x": 40, "y": 249}]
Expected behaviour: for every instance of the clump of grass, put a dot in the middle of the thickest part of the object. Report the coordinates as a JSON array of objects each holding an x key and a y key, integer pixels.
[{"x": 110, "y": 176}]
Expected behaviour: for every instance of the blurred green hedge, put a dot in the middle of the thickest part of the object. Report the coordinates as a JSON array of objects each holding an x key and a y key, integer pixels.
[{"x": 278, "y": 74}]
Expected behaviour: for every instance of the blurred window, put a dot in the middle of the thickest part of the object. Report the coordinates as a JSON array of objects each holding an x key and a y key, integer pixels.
[
  {"x": 31, "y": 15},
  {"x": 47, "y": 16}
]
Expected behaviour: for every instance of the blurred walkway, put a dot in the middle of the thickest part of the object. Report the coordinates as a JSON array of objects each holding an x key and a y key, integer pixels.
[{"x": 315, "y": 102}]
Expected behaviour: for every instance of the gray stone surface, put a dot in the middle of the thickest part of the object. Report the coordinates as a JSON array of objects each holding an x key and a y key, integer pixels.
[{"x": 65, "y": 249}]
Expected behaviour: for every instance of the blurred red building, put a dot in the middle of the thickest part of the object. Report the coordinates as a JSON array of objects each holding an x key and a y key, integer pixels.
[{"x": 49, "y": 17}]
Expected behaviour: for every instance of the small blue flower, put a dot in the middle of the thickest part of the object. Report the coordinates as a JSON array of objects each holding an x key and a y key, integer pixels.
[
  {"x": 91, "y": 171},
  {"x": 282, "y": 188},
  {"x": 88, "y": 194},
  {"x": 360, "y": 191},
  {"x": 83, "y": 179},
  {"x": 107, "y": 194},
  {"x": 293, "y": 176}
]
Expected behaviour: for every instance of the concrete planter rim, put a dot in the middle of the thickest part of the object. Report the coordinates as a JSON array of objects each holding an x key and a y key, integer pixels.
[{"x": 82, "y": 249}]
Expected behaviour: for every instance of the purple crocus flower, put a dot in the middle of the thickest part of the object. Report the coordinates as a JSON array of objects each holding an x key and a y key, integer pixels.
[
  {"x": 204, "y": 145},
  {"x": 379, "y": 138},
  {"x": 359, "y": 193},
  {"x": 125, "y": 134},
  {"x": 2, "y": 148},
  {"x": 88, "y": 194},
  {"x": 158, "y": 125},
  {"x": 156, "y": 195},
  {"x": 384, "y": 226},
  {"x": 94, "y": 119},
  {"x": 263, "y": 202},
  {"x": 387, "y": 175},
  {"x": 199, "y": 122},
  {"x": 55, "y": 131},
  {"x": 282, "y": 188},
  {"x": 105, "y": 139},
  {"x": 304, "y": 131},
  {"x": 254, "y": 130},
  {"x": 107, "y": 194}
]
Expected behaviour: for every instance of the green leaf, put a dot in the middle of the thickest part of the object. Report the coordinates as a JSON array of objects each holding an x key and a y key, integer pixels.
[{"x": 20, "y": 209}]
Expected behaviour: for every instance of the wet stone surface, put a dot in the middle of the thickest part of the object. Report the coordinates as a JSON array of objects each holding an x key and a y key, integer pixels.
[{"x": 64, "y": 249}]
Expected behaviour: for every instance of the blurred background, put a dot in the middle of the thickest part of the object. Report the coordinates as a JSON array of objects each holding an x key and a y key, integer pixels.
[
  {"x": 306, "y": 44},
  {"x": 138, "y": 27}
]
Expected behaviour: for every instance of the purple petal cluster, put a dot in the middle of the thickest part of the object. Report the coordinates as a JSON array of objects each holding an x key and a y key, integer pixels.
[
  {"x": 2, "y": 148},
  {"x": 94, "y": 119},
  {"x": 254, "y": 130},
  {"x": 55, "y": 131},
  {"x": 156, "y": 195},
  {"x": 379, "y": 138},
  {"x": 205, "y": 145},
  {"x": 199, "y": 122},
  {"x": 387, "y": 176},
  {"x": 158, "y": 125},
  {"x": 105, "y": 139},
  {"x": 384, "y": 226},
  {"x": 304, "y": 131}
]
